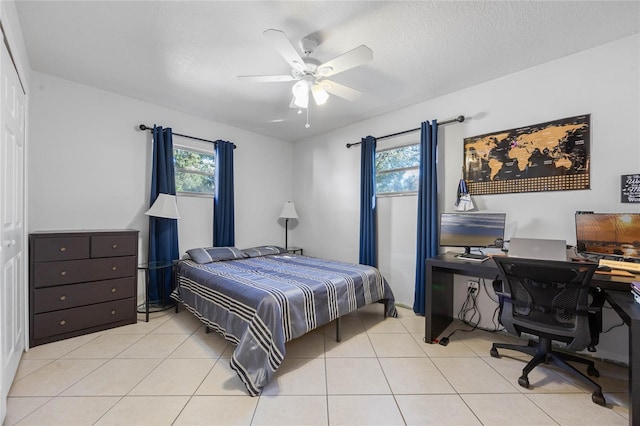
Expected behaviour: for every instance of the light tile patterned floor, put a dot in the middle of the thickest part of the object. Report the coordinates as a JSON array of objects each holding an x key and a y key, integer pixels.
[{"x": 170, "y": 372}]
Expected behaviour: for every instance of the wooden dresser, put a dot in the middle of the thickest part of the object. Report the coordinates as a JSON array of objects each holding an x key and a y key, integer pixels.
[{"x": 81, "y": 282}]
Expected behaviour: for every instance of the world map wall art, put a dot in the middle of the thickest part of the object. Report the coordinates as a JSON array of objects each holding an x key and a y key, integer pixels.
[{"x": 551, "y": 156}]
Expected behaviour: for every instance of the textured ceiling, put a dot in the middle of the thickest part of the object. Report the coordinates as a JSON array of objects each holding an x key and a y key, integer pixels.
[{"x": 186, "y": 55}]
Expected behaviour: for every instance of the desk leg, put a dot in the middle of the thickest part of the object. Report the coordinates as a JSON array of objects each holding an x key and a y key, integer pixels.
[
  {"x": 438, "y": 302},
  {"x": 634, "y": 372}
]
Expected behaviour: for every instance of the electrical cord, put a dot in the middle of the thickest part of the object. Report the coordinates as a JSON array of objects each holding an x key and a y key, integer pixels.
[
  {"x": 484, "y": 285},
  {"x": 496, "y": 325},
  {"x": 612, "y": 327},
  {"x": 470, "y": 305}
]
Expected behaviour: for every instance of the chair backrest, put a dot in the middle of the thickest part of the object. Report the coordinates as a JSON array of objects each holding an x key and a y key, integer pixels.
[{"x": 547, "y": 298}]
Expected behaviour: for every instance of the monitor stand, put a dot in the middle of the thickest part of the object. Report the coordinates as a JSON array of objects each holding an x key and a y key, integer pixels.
[{"x": 467, "y": 255}]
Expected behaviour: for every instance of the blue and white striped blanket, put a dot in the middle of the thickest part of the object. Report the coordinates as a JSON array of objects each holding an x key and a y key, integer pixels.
[{"x": 260, "y": 303}]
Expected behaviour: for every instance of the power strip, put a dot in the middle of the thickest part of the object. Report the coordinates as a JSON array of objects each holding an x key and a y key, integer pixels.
[{"x": 618, "y": 264}]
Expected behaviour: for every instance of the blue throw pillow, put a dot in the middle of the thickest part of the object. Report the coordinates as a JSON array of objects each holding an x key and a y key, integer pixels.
[
  {"x": 215, "y": 254},
  {"x": 263, "y": 251}
]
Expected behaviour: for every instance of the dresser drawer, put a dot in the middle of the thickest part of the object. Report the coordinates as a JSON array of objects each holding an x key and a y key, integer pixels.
[
  {"x": 60, "y": 248},
  {"x": 74, "y": 319},
  {"x": 73, "y": 295},
  {"x": 48, "y": 274},
  {"x": 114, "y": 245}
]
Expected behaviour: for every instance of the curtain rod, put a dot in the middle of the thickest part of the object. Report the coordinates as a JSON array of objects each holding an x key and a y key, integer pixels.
[
  {"x": 458, "y": 119},
  {"x": 144, "y": 127}
]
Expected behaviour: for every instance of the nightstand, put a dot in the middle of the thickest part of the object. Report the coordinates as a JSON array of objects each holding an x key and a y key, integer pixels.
[
  {"x": 163, "y": 266},
  {"x": 294, "y": 250}
]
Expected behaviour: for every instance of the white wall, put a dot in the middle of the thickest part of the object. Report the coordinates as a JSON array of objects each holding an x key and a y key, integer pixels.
[
  {"x": 89, "y": 166},
  {"x": 603, "y": 81}
]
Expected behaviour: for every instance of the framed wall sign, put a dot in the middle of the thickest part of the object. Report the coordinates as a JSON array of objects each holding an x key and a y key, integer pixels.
[
  {"x": 630, "y": 189},
  {"x": 551, "y": 156}
]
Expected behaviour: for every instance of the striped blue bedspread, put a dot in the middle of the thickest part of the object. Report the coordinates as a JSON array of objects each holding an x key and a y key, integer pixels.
[{"x": 262, "y": 302}]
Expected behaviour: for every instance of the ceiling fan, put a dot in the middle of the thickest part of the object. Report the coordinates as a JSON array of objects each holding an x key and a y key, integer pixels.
[{"x": 311, "y": 75}]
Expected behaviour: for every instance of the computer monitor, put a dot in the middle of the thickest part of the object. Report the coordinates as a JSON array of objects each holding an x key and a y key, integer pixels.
[
  {"x": 478, "y": 230},
  {"x": 608, "y": 234}
]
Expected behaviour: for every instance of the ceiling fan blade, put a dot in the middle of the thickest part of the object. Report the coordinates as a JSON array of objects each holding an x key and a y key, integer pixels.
[
  {"x": 346, "y": 61},
  {"x": 282, "y": 44},
  {"x": 266, "y": 78},
  {"x": 340, "y": 90}
]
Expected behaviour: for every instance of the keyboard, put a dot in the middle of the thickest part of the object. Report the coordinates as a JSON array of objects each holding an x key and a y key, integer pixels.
[
  {"x": 619, "y": 264},
  {"x": 473, "y": 257}
]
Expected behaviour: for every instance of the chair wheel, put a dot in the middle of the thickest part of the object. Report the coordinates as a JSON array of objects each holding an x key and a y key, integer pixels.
[
  {"x": 523, "y": 381},
  {"x": 593, "y": 372},
  {"x": 598, "y": 398},
  {"x": 494, "y": 353}
]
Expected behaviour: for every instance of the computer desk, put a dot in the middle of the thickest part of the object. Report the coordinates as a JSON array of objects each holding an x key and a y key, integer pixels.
[{"x": 439, "y": 274}]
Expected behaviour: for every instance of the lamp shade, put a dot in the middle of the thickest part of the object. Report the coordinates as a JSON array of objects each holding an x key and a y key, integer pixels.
[
  {"x": 301, "y": 94},
  {"x": 164, "y": 206},
  {"x": 319, "y": 94},
  {"x": 288, "y": 211}
]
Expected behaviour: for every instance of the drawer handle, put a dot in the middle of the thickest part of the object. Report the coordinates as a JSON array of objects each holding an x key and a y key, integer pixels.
[
  {"x": 63, "y": 249},
  {"x": 113, "y": 268},
  {"x": 63, "y": 297},
  {"x": 115, "y": 246},
  {"x": 63, "y": 273},
  {"x": 113, "y": 290},
  {"x": 63, "y": 322},
  {"x": 113, "y": 312}
]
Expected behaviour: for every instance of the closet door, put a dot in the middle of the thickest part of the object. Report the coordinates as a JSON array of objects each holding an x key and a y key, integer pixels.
[{"x": 12, "y": 215}]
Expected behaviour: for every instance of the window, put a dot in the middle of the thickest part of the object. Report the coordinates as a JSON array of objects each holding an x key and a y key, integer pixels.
[
  {"x": 195, "y": 170},
  {"x": 397, "y": 170}
]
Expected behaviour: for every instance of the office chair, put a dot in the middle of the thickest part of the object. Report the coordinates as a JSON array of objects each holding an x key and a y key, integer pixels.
[{"x": 548, "y": 299}]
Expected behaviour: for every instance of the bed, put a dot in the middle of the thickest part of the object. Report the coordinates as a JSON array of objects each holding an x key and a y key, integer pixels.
[{"x": 263, "y": 297}]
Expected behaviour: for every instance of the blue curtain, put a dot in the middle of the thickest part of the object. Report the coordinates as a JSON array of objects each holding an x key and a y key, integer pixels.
[
  {"x": 223, "y": 207},
  {"x": 427, "y": 209},
  {"x": 368, "y": 239},
  {"x": 163, "y": 232}
]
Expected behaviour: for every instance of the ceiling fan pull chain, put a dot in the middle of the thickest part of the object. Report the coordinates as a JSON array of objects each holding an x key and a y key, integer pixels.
[{"x": 307, "y": 125}]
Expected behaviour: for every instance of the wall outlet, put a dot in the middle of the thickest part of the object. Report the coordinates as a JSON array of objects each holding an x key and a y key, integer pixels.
[{"x": 473, "y": 286}]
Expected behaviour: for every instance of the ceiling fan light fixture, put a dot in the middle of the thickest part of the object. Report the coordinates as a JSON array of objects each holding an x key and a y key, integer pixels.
[
  {"x": 302, "y": 101},
  {"x": 320, "y": 96},
  {"x": 300, "y": 92}
]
